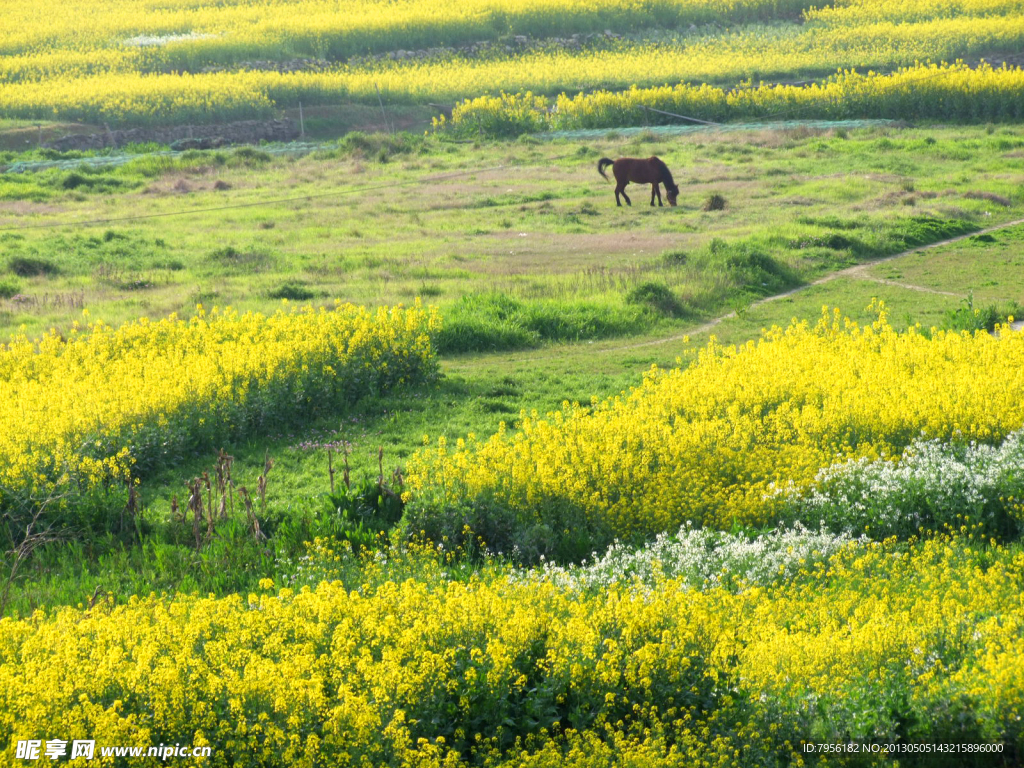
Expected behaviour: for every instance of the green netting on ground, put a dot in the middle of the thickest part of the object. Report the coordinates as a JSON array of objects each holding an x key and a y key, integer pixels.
[
  {"x": 675, "y": 130},
  {"x": 301, "y": 147}
]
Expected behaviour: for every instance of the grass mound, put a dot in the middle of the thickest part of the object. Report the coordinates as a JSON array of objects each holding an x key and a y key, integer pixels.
[{"x": 492, "y": 322}]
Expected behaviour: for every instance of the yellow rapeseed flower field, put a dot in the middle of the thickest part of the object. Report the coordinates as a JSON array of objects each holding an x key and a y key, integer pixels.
[
  {"x": 152, "y": 36},
  {"x": 882, "y": 646},
  {"x": 709, "y": 442},
  {"x": 135, "y": 63},
  {"x": 922, "y": 90},
  {"x": 84, "y": 410}
]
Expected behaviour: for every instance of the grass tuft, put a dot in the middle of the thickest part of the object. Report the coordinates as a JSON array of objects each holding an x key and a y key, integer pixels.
[{"x": 714, "y": 202}]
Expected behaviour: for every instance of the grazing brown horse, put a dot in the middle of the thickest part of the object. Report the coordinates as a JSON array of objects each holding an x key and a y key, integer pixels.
[{"x": 650, "y": 171}]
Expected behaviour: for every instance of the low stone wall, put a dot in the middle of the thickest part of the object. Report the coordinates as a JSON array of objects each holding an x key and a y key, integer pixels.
[{"x": 185, "y": 136}]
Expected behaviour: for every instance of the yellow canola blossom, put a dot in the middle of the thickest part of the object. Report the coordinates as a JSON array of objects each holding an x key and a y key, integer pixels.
[
  {"x": 748, "y": 54},
  {"x": 184, "y": 30},
  {"x": 87, "y": 407},
  {"x": 860, "y": 11},
  {"x": 922, "y": 90},
  {"x": 501, "y": 671},
  {"x": 949, "y": 91},
  {"x": 134, "y": 62},
  {"x": 709, "y": 442}
]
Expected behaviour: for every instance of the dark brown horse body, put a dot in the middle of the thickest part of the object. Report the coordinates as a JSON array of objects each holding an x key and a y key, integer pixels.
[{"x": 632, "y": 169}]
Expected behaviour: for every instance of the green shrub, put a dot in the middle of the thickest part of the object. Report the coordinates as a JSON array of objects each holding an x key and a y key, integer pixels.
[
  {"x": 246, "y": 156},
  {"x": 658, "y": 297},
  {"x": 94, "y": 179},
  {"x": 75, "y": 180},
  {"x": 379, "y": 146},
  {"x": 292, "y": 292},
  {"x": 27, "y": 266},
  {"x": 757, "y": 272},
  {"x": 832, "y": 240},
  {"x": 9, "y": 288}
]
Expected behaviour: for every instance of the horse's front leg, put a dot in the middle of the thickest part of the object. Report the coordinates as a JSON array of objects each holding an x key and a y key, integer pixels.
[{"x": 656, "y": 191}]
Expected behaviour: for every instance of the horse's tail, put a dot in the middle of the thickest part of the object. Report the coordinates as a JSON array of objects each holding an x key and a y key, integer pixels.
[{"x": 603, "y": 163}]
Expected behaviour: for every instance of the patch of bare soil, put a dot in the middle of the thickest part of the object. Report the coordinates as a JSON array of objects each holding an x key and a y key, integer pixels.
[
  {"x": 31, "y": 136},
  {"x": 998, "y": 59},
  {"x": 17, "y": 210}
]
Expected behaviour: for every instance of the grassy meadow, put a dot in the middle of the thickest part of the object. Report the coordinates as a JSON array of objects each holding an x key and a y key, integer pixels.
[
  {"x": 388, "y": 220},
  {"x": 405, "y": 446}
]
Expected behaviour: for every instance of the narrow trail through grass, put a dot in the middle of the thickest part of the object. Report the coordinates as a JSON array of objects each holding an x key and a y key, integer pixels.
[
  {"x": 908, "y": 286},
  {"x": 859, "y": 272}
]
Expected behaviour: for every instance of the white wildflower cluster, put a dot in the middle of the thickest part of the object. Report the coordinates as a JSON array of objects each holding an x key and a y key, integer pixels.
[
  {"x": 143, "y": 41},
  {"x": 934, "y": 485},
  {"x": 700, "y": 558}
]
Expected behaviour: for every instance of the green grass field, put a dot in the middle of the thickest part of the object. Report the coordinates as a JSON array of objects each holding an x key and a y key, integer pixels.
[{"x": 387, "y": 220}]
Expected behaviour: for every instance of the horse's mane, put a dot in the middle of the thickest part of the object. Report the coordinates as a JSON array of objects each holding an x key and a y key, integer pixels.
[{"x": 666, "y": 174}]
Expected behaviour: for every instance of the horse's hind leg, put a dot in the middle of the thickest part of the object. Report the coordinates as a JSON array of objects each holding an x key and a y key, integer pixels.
[{"x": 656, "y": 191}]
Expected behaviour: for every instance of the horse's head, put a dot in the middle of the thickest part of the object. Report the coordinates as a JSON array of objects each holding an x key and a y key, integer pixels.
[{"x": 671, "y": 192}]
